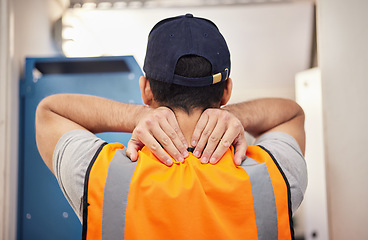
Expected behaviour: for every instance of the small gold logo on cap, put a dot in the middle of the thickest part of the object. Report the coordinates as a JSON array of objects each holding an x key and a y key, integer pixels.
[{"x": 216, "y": 78}]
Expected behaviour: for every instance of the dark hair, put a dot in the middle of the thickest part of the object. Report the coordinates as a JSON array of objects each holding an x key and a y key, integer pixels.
[{"x": 188, "y": 98}]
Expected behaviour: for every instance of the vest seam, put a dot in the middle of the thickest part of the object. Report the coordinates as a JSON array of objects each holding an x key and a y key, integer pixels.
[
  {"x": 85, "y": 192},
  {"x": 288, "y": 190}
]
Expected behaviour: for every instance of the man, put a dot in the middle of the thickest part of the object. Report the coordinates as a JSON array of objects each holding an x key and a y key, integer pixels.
[{"x": 204, "y": 189}]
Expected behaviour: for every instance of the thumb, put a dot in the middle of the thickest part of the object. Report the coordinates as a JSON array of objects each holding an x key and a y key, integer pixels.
[
  {"x": 240, "y": 146},
  {"x": 132, "y": 150}
]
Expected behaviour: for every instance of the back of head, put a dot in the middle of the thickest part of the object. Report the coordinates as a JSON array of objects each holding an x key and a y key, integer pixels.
[
  {"x": 187, "y": 63},
  {"x": 187, "y": 98}
]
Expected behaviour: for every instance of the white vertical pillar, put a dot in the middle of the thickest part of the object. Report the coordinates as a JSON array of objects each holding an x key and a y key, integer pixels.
[
  {"x": 7, "y": 185},
  {"x": 309, "y": 97},
  {"x": 4, "y": 83}
]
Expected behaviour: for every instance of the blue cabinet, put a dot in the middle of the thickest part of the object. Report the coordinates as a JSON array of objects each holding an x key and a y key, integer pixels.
[{"x": 43, "y": 211}]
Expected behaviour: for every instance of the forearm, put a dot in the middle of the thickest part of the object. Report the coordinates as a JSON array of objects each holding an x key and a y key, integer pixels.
[
  {"x": 59, "y": 114},
  {"x": 261, "y": 115},
  {"x": 92, "y": 113}
]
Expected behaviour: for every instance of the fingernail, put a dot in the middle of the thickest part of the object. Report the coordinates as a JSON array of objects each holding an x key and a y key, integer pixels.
[
  {"x": 196, "y": 153},
  {"x": 204, "y": 160},
  {"x": 181, "y": 159},
  {"x": 193, "y": 143},
  {"x": 169, "y": 162},
  {"x": 185, "y": 154},
  {"x": 212, "y": 160},
  {"x": 186, "y": 145}
]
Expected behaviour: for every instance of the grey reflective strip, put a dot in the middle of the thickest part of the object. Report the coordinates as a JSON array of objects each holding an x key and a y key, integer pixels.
[
  {"x": 115, "y": 199},
  {"x": 263, "y": 198}
]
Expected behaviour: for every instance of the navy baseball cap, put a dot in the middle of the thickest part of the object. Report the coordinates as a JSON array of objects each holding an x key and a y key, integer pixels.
[{"x": 184, "y": 35}]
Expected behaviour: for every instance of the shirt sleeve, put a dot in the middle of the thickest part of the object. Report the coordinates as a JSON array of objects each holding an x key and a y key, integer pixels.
[
  {"x": 287, "y": 153},
  {"x": 72, "y": 155}
]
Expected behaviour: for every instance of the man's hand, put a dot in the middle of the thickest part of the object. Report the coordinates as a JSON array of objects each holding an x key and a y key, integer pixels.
[
  {"x": 216, "y": 130},
  {"x": 158, "y": 130}
]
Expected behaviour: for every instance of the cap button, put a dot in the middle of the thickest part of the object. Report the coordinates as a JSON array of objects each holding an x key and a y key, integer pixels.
[{"x": 189, "y": 15}]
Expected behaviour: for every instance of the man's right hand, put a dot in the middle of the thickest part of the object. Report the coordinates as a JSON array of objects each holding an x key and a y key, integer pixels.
[{"x": 158, "y": 129}]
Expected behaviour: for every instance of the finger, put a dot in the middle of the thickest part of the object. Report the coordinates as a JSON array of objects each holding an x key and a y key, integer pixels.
[
  {"x": 159, "y": 134},
  {"x": 152, "y": 133},
  {"x": 153, "y": 145},
  {"x": 201, "y": 124},
  {"x": 132, "y": 149},
  {"x": 166, "y": 135},
  {"x": 165, "y": 143},
  {"x": 204, "y": 137},
  {"x": 240, "y": 149},
  {"x": 171, "y": 119},
  {"x": 213, "y": 143},
  {"x": 172, "y": 130},
  {"x": 233, "y": 130}
]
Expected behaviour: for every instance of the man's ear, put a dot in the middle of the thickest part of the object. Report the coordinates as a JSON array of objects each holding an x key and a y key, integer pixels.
[
  {"x": 227, "y": 91},
  {"x": 146, "y": 92}
]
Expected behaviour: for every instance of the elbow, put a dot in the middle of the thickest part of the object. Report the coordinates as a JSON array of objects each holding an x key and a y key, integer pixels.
[
  {"x": 41, "y": 109},
  {"x": 42, "y": 112},
  {"x": 300, "y": 111}
]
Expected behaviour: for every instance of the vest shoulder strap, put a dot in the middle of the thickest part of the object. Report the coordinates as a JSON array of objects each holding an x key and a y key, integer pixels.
[
  {"x": 94, "y": 186},
  {"x": 281, "y": 189}
]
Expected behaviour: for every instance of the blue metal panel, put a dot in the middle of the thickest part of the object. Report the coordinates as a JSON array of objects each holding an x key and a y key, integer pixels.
[{"x": 43, "y": 211}]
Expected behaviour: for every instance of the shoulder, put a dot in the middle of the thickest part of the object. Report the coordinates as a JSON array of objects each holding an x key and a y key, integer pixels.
[
  {"x": 288, "y": 155},
  {"x": 72, "y": 156}
]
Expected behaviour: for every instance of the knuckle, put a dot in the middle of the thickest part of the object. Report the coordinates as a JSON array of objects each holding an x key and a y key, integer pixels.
[
  {"x": 167, "y": 112},
  {"x": 226, "y": 143},
  {"x": 148, "y": 121},
  {"x": 132, "y": 141},
  {"x": 237, "y": 125},
  {"x": 172, "y": 134},
  {"x": 157, "y": 116},
  {"x": 225, "y": 116},
  {"x": 138, "y": 131},
  {"x": 165, "y": 141},
  {"x": 206, "y": 133},
  {"x": 215, "y": 112},
  {"x": 201, "y": 125},
  {"x": 214, "y": 138},
  {"x": 153, "y": 147}
]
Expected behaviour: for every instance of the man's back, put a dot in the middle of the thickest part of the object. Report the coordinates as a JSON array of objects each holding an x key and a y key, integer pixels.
[{"x": 190, "y": 199}]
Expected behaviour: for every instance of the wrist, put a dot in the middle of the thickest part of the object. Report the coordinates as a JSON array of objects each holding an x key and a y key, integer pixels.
[
  {"x": 141, "y": 111},
  {"x": 239, "y": 113}
]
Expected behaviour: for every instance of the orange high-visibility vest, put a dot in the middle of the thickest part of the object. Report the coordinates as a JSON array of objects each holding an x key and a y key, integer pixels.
[{"x": 190, "y": 200}]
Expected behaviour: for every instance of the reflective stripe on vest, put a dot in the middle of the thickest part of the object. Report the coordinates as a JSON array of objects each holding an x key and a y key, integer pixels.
[{"x": 187, "y": 201}]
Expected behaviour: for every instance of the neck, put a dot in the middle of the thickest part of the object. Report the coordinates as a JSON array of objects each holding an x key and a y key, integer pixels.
[{"x": 187, "y": 123}]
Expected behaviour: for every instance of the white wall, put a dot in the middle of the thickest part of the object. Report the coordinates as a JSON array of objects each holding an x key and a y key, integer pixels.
[
  {"x": 25, "y": 31},
  {"x": 269, "y": 43},
  {"x": 343, "y": 48}
]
